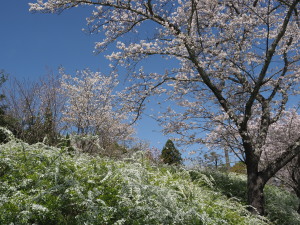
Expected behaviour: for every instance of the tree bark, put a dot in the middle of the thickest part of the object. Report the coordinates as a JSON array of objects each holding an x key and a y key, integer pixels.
[
  {"x": 296, "y": 179},
  {"x": 255, "y": 181},
  {"x": 227, "y": 160},
  {"x": 255, "y": 188},
  {"x": 297, "y": 191}
]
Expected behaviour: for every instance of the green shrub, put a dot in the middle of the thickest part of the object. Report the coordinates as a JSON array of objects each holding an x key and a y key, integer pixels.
[
  {"x": 46, "y": 185},
  {"x": 230, "y": 184},
  {"x": 281, "y": 206},
  {"x": 239, "y": 167}
]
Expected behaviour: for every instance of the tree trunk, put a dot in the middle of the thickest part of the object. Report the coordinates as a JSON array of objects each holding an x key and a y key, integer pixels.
[
  {"x": 227, "y": 160},
  {"x": 296, "y": 179},
  {"x": 255, "y": 188},
  {"x": 297, "y": 191},
  {"x": 255, "y": 181}
]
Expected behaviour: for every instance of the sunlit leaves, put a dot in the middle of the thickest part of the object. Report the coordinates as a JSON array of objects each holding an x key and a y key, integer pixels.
[{"x": 59, "y": 188}]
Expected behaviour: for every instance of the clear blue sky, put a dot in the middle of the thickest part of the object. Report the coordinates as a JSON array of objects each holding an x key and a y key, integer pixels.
[{"x": 32, "y": 44}]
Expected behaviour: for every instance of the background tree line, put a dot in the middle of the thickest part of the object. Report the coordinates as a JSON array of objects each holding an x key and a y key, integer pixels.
[{"x": 48, "y": 109}]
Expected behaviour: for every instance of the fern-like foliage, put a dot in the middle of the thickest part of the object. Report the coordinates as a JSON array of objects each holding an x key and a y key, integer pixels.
[{"x": 46, "y": 185}]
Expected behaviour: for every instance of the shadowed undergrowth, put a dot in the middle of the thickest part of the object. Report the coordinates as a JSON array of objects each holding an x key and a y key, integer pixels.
[{"x": 281, "y": 205}]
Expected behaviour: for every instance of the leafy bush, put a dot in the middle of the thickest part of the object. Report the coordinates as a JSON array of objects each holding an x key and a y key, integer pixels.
[
  {"x": 281, "y": 206},
  {"x": 239, "y": 167},
  {"x": 45, "y": 185},
  {"x": 230, "y": 184}
]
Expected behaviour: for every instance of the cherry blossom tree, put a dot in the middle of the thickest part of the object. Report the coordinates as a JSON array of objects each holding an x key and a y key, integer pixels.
[
  {"x": 91, "y": 107},
  {"x": 282, "y": 134},
  {"x": 239, "y": 58}
]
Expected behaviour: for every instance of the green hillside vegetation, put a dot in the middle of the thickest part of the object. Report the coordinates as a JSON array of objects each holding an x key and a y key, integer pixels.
[{"x": 40, "y": 184}]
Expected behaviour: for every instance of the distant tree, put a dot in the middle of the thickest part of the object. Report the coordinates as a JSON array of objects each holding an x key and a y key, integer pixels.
[
  {"x": 3, "y": 120},
  {"x": 92, "y": 109},
  {"x": 7, "y": 120},
  {"x": 170, "y": 155},
  {"x": 51, "y": 106},
  {"x": 213, "y": 159},
  {"x": 35, "y": 107},
  {"x": 3, "y": 78},
  {"x": 154, "y": 155},
  {"x": 239, "y": 167},
  {"x": 22, "y": 100}
]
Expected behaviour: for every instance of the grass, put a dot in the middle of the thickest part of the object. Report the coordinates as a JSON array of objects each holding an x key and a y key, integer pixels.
[{"x": 281, "y": 205}]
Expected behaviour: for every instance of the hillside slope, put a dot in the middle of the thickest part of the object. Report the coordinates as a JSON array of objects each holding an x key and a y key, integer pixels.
[{"x": 46, "y": 185}]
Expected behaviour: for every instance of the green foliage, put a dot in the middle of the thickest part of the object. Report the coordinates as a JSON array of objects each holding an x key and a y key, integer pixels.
[
  {"x": 230, "y": 184},
  {"x": 281, "y": 206},
  {"x": 170, "y": 154},
  {"x": 45, "y": 185},
  {"x": 3, "y": 78},
  {"x": 239, "y": 167},
  {"x": 65, "y": 144},
  {"x": 3, "y": 118}
]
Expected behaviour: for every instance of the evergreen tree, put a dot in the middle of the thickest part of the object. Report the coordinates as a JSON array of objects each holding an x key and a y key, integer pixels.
[
  {"x": 3, "y": 78},
  {"x": 170, "y": 154},
  {"x": 3, "y": 117}
]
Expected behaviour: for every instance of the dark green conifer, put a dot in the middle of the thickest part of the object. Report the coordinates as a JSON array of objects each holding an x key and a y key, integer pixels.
[
  {"x": 170, "y": 154},
  {"x": 3, "y": 118}
]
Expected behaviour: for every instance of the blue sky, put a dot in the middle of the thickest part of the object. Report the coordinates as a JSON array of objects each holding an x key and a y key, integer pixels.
[{"x": 31, "y": 45}]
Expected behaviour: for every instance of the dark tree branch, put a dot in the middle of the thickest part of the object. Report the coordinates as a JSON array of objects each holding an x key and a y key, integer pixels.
[{"x": 291, "y": 152}]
